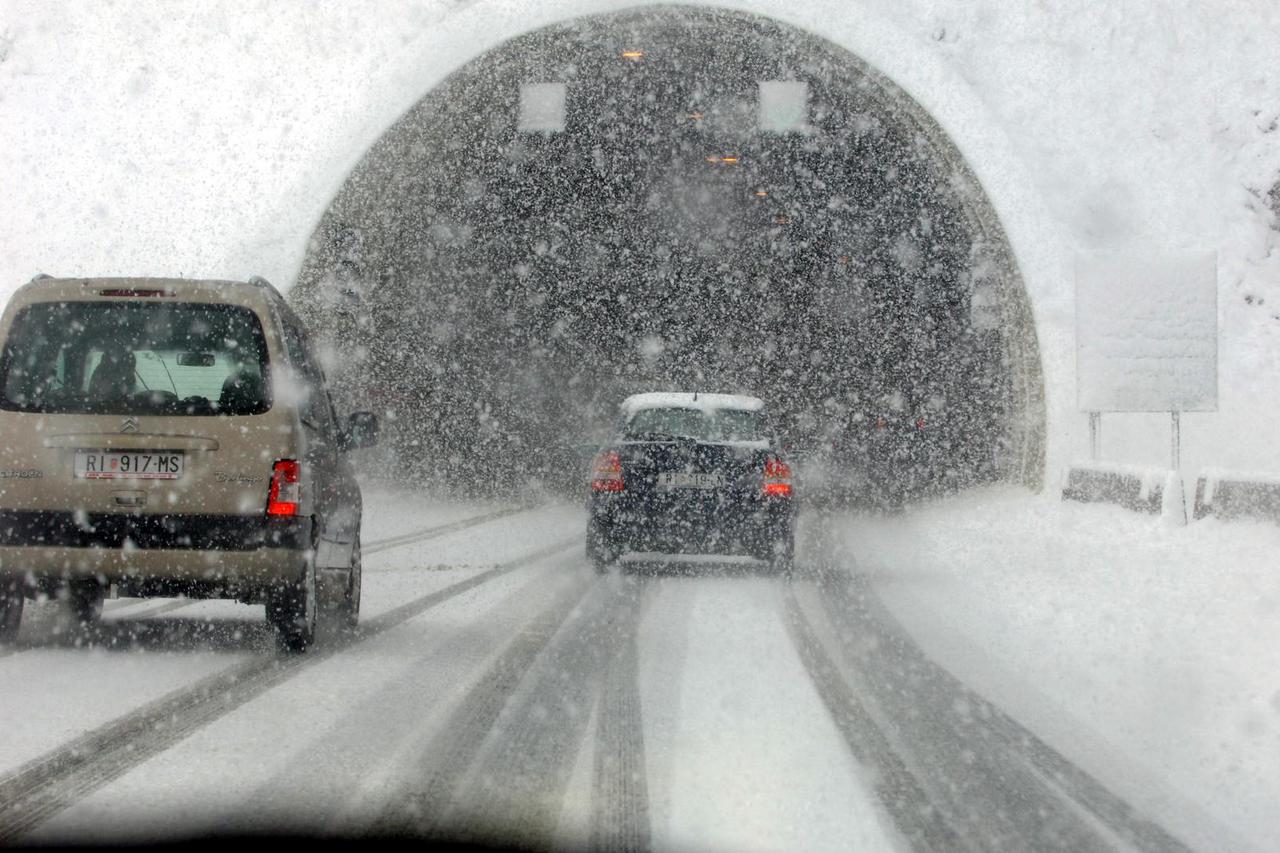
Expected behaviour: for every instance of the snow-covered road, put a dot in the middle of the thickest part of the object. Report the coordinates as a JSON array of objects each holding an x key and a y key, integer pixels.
[{"x": 499, "y": 690}]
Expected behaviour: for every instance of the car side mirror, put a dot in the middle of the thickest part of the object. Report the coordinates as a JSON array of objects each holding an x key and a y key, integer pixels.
[{"x": 362, "y": 431}]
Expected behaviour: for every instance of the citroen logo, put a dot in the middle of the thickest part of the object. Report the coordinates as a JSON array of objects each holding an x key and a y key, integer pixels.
[{"x": 129, "y": 424}]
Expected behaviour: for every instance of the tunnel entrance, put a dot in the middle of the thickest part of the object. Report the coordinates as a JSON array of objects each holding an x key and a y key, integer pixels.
[{"x": 675, "y": 198}]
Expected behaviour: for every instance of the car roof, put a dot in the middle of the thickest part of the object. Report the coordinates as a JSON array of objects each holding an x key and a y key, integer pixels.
[
  {"x": 255, "y": 292},
  {"x": 690, "y": 400}
]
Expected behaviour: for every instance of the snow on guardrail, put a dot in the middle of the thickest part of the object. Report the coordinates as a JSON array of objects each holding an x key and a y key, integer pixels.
[
  {"x": 1157, "y": 491},
  {"x": 1237, "y": 494}
]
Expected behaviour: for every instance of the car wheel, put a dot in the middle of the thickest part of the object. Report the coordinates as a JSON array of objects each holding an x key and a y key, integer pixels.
[
  {"x": 351, "y": 600},
  {"x": 11, "y": 604},
  {"x": 291, "y": 608},
  {"x": 598, "y": 551},
  {"x": 84, "y": 601},
  {"x": 782, "y": 555}
]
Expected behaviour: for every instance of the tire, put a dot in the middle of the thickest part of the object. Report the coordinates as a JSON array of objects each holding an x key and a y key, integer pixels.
[
  {"x": 293, "y": 608},
  {"x": 780, "y": 555},
  {"x": 84, "y": 601},
  {"x": 12, "y": 601},
  {"x": 783, "y": 566},
  {"x": 350, "y": 610},
  {"x": 340, "y": 593},
  {"x": 598, "y": 552}
]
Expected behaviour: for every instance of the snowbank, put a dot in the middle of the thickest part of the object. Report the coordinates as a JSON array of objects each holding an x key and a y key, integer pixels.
[{"x": 1148, "y": 654}]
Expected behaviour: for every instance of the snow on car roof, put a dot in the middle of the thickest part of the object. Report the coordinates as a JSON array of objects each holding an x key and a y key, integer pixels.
[{"x": 689, "y": 400}]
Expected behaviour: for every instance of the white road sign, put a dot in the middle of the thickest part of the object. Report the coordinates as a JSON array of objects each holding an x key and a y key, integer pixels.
[{"x": 1147, "y": 332}]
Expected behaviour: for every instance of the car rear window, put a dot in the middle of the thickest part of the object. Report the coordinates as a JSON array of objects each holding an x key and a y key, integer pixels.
[
  {"x": 182, "y": 358},
  {"x": 738, "y": 425},
  {"x": 722, "y": 425}
]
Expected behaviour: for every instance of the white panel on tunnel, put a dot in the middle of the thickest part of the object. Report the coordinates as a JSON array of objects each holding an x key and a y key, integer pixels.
[
  {"x": 542, "y": 107},
  {"x": 784, "y": 106}
]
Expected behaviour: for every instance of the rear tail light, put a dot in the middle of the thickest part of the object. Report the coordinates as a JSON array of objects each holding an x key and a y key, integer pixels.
[
  {"x": 606, "y": 472},
  {"x": 777, "y": 478},
  {"x": 285, "y": 496},
  {"x": 919, "y": 423}
]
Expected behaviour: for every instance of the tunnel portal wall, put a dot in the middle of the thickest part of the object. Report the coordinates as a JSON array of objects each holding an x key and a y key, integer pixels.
[{"x": 381, "y": 288}]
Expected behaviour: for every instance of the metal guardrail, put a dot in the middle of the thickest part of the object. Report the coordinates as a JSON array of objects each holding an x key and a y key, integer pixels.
[
  {"x": 1155, "y": 491},
  {"x": 1233, "y": 495}
]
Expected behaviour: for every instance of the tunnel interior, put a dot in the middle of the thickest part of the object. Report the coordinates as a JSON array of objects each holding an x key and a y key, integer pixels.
[{"x": 675, "y": 199}]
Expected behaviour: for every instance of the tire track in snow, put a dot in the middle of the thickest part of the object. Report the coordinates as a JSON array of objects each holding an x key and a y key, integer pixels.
[
  {"x": 986, "y": 800},
  {"x": 500, "y": 770},
  {"x": 1022, "y": 746},
  {"x": 336, "y": 784},
  {"x": 420, "y": 808},
  {"x": 427, "y": 533},
  {"x": 620, "y": 815},
  {"x": 994, "y": 783},
  {"x": 46, "y": 785},
  {"x": 525, "y": 767},
  {"x": 900, "y": 793},
  {"x": 146, "y": 612}
]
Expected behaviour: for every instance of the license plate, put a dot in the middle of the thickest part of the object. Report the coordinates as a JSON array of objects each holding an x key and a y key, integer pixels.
[
  {"x": 688, "y": 480},
  {"x": 95, "y": 465}
]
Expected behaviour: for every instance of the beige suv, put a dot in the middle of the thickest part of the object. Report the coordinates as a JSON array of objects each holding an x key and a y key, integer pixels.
[{"x": 173, "y": 437}]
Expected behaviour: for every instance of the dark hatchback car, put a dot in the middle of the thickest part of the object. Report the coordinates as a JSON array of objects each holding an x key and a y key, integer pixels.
[{"x": 692, "y": 474}]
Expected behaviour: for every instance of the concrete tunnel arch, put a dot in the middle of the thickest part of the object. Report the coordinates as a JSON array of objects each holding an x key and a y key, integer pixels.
[{"x": 383, "y": 246}]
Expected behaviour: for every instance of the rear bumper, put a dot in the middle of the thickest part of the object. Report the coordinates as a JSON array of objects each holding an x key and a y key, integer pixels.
[
  {"x": 151, "y": 531},
  {"x": 232, "y": 569},
  {"x": 204, "y": 554},
  {"x": 648, "y": 523}
]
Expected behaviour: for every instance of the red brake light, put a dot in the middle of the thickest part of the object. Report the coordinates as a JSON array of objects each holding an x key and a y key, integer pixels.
[
  {"x": 285, "y": 496},
  {"x": 606, "y": 472},
  {"x": 919, "y": 423},
  {"x": 777, "y": 478},
  {"x": 881, "y": 423}
]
